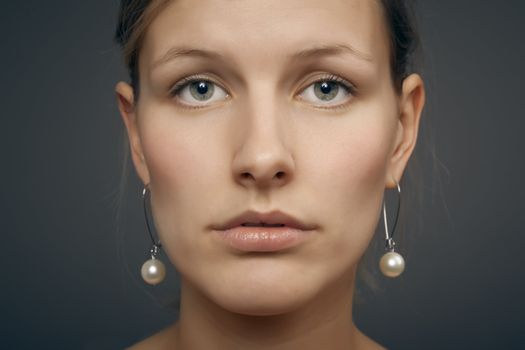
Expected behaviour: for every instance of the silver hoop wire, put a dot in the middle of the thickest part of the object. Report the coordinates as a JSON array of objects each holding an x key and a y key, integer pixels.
[
  {"x": 390, "y": 244},
  {"x": 155, "y": 245}
]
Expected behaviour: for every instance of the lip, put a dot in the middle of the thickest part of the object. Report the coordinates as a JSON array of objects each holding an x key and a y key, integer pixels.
[
  {"x": 272, "y": 217},
  {"x": 264, "y": 238}
]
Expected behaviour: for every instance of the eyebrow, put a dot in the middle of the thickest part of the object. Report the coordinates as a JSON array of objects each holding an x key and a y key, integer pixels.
[
  {"x": 327, "y": 50},
  {"x": 316, "y": 51},
  {"x": 176, "y": 52}
]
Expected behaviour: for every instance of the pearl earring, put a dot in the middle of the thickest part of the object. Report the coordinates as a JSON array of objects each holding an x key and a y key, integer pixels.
[
  {"x": 153, "y": 270},
  {"x": 392, "y": 264}
]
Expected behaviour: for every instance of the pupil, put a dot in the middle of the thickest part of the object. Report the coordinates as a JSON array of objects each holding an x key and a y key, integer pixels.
[
  {"x": 326, "y": 88},
  {"x": 202, "y": 88}
]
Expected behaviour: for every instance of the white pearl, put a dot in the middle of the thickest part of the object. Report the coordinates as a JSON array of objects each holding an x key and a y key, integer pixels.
[
  {"x": 392, "y": 264},
  {"x": 153, "y": 271}
]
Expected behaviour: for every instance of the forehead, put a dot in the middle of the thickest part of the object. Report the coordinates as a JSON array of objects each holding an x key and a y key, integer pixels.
[{"x": 260, "y": 32}]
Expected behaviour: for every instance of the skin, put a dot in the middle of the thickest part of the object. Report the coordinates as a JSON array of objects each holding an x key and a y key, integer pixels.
[{"x": 265, "y": 142}]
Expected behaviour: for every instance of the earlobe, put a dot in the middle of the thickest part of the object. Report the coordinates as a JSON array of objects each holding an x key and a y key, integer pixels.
[
  {"x": 127, "y": 109},
  {"x": 412, "y": 100}
]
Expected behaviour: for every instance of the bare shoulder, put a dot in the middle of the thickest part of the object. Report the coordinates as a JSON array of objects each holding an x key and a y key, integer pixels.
[
  {"x": 373, "y": 345},
  {"x": 164, "y": 339},
  {"x": 368, "y": 343}
]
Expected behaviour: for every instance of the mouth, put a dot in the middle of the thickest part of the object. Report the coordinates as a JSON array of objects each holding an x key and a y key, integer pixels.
[
  {"x": 262, "y": 224},
  {"x": 274, "y": 218},
  {"x": 260, "y": 232}
]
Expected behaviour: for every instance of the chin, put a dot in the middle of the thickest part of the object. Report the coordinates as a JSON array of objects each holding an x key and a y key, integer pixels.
[
  {"x": 263, "y": 295},
  {"x": 264, "y": 285},
  {"x": 261, "y": 304}
]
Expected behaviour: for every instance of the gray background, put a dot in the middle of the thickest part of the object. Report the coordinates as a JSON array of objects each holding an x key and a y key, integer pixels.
[{"x": 71, "y": 260}]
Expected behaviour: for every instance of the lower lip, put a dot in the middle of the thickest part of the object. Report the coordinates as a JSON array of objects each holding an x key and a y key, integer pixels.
[{"x": 263, "y": 239}]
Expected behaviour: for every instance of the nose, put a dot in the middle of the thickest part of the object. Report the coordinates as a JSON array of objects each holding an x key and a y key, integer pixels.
[{"x": 263, "y": 159}]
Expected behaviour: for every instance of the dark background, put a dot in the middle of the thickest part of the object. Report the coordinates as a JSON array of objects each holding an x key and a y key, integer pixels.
[{"x": 71, "y": 259}]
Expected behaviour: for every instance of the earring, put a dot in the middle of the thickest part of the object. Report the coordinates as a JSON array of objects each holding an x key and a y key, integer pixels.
[
  {"x": 392, "y": 264},
  {"x": 153, "y": 270}
]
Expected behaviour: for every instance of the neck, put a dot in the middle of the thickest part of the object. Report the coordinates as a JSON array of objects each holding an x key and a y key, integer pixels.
[{"x": 326, "y": 320}]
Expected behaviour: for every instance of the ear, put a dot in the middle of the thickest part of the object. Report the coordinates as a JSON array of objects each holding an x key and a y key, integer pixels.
[
  {"x": 411, "y": 104},
  {"x": 127, "y": 108}
]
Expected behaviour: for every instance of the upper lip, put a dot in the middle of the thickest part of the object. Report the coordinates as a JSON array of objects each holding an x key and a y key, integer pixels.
[{"x": 273, "y": 217}]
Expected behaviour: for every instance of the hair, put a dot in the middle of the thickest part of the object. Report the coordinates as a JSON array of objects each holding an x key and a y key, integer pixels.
[
  {"x": 404, "y": 38},
  {"x": 135, "y": 16}
]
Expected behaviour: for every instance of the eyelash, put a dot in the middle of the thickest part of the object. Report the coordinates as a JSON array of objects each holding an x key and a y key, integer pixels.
[
  {"x": 181, "y": 84},
  {"x": 349, "y": 87},
  {"x": 185, "y": 81},
  {"x": 346, "y": 85}
]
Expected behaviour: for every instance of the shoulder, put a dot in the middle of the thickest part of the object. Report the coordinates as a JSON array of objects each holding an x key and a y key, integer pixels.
[
  {"x": 164, "y": 339},
  {"x": 364, "y": 342}
]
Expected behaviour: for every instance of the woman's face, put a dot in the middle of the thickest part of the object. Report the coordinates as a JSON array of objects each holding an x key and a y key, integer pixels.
[{"x": 263, "y": 128}]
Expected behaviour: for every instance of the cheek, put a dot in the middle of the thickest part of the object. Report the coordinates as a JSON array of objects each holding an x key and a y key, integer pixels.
[
  {"x": 184, "y": 169},
  {"x": 339, "y": 180},
  {"x": 347, "y": 177}
]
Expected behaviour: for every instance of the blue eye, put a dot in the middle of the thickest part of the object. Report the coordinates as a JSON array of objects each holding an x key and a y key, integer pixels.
[
  {"x": 197, "y": 92},
  {"x": 201, "y": 90},
  {"x": 329, "y": 91},
  {"x": 326, "y": 91}
]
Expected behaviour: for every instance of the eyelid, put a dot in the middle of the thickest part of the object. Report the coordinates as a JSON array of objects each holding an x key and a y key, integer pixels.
[
  {"x": 333, "y": 78},
  {"x": 184, "y": 82},
  {"x": 347, "y": 85}
]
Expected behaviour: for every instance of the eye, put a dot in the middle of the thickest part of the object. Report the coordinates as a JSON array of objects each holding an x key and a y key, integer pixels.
[
  {"x": 328, "y": 91},
  {"x": 195, "y": 92}
]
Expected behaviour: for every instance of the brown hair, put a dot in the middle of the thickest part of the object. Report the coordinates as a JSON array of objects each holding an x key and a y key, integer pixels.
[
  {"x": 404, "y": 38},
  {"x": 136, "y": 15},
  {"x": 134, "y": 18}
]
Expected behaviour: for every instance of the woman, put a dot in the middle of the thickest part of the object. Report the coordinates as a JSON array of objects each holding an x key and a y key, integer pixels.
[{"x": 266, "y": 134}]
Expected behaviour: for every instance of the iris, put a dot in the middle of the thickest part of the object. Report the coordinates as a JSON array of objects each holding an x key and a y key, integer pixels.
[
  {"x": 201, "y": 90},
  {"x": 326, "y": 90}
]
